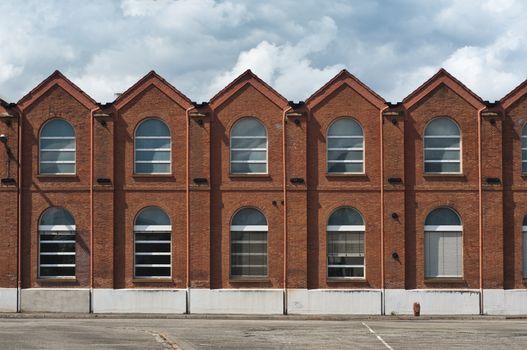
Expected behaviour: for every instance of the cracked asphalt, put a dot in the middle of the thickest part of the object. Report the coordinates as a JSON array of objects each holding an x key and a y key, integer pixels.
[{"x": 93, "y": 333}]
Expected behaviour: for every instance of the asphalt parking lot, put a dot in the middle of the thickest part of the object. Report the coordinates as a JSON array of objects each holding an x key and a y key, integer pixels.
[{"x": 94, "y": 333}]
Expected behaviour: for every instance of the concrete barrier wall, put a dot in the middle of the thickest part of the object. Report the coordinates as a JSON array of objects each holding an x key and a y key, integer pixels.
[
  {"x": 8, "y": 299},
  {"x": 55, "y": 300},
  {"x": 159, "y": 301},
  {"x": 236, "y": 301},
  {"x": 433, "y": 301},
  {"x": 334, "y": 301},
  {"x": 505, "y": 302}
]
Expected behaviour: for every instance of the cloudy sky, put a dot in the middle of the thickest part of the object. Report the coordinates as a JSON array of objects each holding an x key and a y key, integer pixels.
[{"x": 296, "y": 46}]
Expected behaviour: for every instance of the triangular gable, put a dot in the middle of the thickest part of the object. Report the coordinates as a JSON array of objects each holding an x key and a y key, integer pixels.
[
  {"x": 252, "y": 79},
  {"x": 445, "y": 78},
  {"x": 345, "y": 78},
  {"x": 152, "y": 79},
  {"x": 513, "y": 96},
  {"x": 56, "y": 79}
]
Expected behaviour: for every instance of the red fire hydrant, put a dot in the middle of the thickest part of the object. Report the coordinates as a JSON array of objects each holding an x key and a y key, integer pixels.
[{"x": 417, "y": 309}]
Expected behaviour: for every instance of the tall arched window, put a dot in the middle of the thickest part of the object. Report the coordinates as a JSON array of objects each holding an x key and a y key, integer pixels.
[
  {"x": 152, "y": 244},
  {"x": 345, "y": 147},
  {"x": 56, "y": 231},
  {"x": 152, "y": 148},
  {"x": 524, "y": 149},
  {"x": 443, "y": 244},
  {"x": 248, "y": 147},
  {"x": 524, "y": 244},
  {"x": 442, "y": 146},
  {"x": 345, "y": 244},
  {"x": 57, "y": 148},
  {"x": 249, "y": 244}
]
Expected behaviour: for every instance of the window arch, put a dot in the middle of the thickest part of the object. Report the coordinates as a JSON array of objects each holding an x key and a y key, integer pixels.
[
  {"x": 345, "y": 244},
  {"x": 56, "y": 230},
  {"x": 524, "y": 244},
  {"x": 152, "y": 244},
  {"x": 524, "y": 149},
  {"x": 443, "y": 244},
  {"x": 153, "y": 147},
  {"x": 442, "y": 146},
  {"x": 248, "y": 147},
  {"x": 345, "y": 147},
  {"x": 249, "y": 243},
  {"x": 57, "y": 148}
]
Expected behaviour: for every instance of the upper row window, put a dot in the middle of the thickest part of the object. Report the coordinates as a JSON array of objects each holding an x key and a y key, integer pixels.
[
  {"x": 152, "y": 148},
  {"x": 248, "y": 147},
  {"x": 442, "y": 147},
  {"x": 345, "y": 147},
  {"x": 57, "y": 148}
]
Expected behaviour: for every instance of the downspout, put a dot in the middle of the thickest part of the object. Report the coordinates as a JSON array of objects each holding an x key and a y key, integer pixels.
[
  {"x": 187, "y": 199},
  {"x": 19, "y": 215},
  {"x": 284, "y": 182},
  {"x": 381, "y": 135},
  {"x": 91, "y": 204},
  {"x": 480, "y": 213}
]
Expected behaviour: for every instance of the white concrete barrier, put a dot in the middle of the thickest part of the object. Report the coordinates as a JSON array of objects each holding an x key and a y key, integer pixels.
[
  {"x": 432, "y": 301},
  {"x": 55, "y": 300},
  {"x": 334, "y": 301},
  {"x": 8, "y": 299},
  {"x": 163, "y": 301},
  {"x": 505, "y": 302},
  {"x": 236, "y": 301}
]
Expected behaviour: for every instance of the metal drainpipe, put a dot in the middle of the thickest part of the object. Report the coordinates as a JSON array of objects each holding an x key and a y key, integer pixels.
[
  {"x": 19, "y": 215},
  {"x": 187, "y": 199},
  {"x": 91, "y": 204},
  {"x": 381, "y": 132},
  {"x": 284, "y": 181},
  {"x": 480, "y": 213}
]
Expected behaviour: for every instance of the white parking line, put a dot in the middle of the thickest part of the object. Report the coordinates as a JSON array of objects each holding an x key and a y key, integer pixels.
[{"x": 378, "y": 336}]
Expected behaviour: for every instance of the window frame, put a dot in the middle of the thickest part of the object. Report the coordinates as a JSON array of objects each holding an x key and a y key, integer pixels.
[
  {"x": 258, "y": 228},
  {"x": 522, "y": 148},
  {"x": 350, "y": 229},
  {"x": 363, "y": 149},
  {"x": 459, "y": 149},
  {"x": 58, "y": 150},
  {"x": 169, "y": 149},
  {"x": 524, "y": 248},
  {"x": 231, "y": 149}
]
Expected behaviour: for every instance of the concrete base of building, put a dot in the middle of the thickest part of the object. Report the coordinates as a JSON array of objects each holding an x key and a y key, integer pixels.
[
  {"x": 8, "y": 299},
  {"x": 334, "y": 301},
  {"x": 162, "y": 301},
  {"x": 432, "y": 301},
  {"x": 55, "y": 300},
  {"x": 505, "y": 302},
  {"x": 236, "y": 301}
]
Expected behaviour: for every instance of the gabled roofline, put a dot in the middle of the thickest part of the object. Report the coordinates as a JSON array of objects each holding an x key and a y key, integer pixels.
[
  {"x": 443, "y": 77},
  {"x": 345, "y": 78},
  {"x": 248, "y": 77},
  {"x": 513, "y": 96},
  {"x": 152, "y": 78},
  {"x": 56, "y": 79}
]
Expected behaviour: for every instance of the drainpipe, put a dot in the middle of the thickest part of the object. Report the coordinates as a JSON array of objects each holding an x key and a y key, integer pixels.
[
  {"x": 480, "y": 213},
  {"x": 381, "y": 135},
  {"x": 187, "y": 199},
  {"x": 19, "y": 216},
  {"x": 284, "y": 181},
  {"x": 92, "y": 111}
]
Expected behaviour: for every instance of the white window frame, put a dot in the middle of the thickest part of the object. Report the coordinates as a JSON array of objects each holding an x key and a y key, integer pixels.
[
  {"x": 69, "y": 230},
  {"x": 136, "y": 149},
  {"x": 362, "y": 148},
  {"x": 523, "y": 147},
  {"x": 266, "y": 149},
  {"x": 57, "y": 150},
  {"x": 459, "y": 149}
]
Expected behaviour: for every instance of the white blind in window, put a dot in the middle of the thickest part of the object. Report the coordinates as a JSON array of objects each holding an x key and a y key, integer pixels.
[{"x": 443, "y": 254}]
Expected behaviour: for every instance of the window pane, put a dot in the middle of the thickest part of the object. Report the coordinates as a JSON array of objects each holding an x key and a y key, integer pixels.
[
  {"x": 152, "y": 259},
  {"x": 250, "y": 216},
  {"x": 152, "y": 127},
  {"x": 442, "y": 155},
  {"x": 248, "y": 155},
  {"x": 248, "y": 127},
  {"x": 152, "y": 247},
  {"x": 57, "y": 272},
  {"x": 57, "y": 144},
  {"x": 345, "y": 155},
  {"x": 149, "y": 168},
  {"x": 249, "y": 143},
  {"x": 337, "y": 272},
  {"x": 56, "y": 216},
  {"x": 442, "y": 142},
  {"x": 524, "y": 167},
  {"x": 148, "y": 272},
  {"x": 442, "y": 167},
  {"x": 51, "y": 168},
  {"x": 56, "y": 156},
  {"x": 345, "y": 167},
  {"x": 248, "y": 168},
  {"x": 525, "y": 254},
  {"x": 345, "y": 216},
  {"x": 443, "y": 254},
  {"x": 248, "y": 253},
  {"x": 443, "y": 216},
  {"x": 152, "y": 155},
  {"x": 345, "y": 127},
  {"x": 152, "y": 236},
  {"x": 442, "y": 126},
  {"x": 152, "y": 143},
  {"x": 344, "y": 142},
  {"x": 57, "y": 127},
  {"x": 153, "y": 216}
]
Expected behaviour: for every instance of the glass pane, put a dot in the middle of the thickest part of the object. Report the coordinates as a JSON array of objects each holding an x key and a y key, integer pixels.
[
  {"x": 57, "y": 144},
  {"x": 345, "y": 216},
  {"x": 525, "y": 254},
  {"x": 152, "y": 216},
  {"x": 149, "y": 168},
  {"x": 152, "y": 236},
  {"x": 245, "y": 168},
  {"x": 152, "y": 155},
  {"x": 442, "y": 167},
  {"x": 152, "y": 127},
  {"x": 345, "y": 127},
  {"x": 249, "y": 143},
  {"x": 443, "y": 142},
  {"x": 442, "y": 155},
  {"x": 57, "y": 259},
  {"x": 53, "y": 168},
  {"x": 152, "y": 259},
  {"x": 54, "y": 156},
  {"x": 152, "y": 272},
  {"x": 248, "y": 155},
  {"x": 345, "y": 167},
  {"x": 152, "y": 247},
  {"x": 344, "y": 142},
  {"x": 57, "y": 127},
  {"x": 442, "y": 126},
  {"x": 524, "y": 167},
  {"x": 57, "y": 247},
  {"x": 524, "y": 155},
  {"x": 57, "y": 271},
  {"x": 249, "y": 216},
  {"x": 56, "y": 216},
  {"x": 443, "y": 216},
  {"x": 248, "y": 127},
  {"x": 152, "y": 143},
  {"x": 337, "y": 272},
  {"x": 345, "y": 155}
]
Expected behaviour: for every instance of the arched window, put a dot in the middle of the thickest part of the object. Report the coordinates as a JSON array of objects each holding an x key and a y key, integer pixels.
[
  {"x": 152, "y": 244},
  {"x": 249, "y": 244},
  {"x": 524, "y": 244},
  {"x": 442, "y": 144},
  {"x": 524, "y": 149},
  {"x": 345, "y": 147},
  {"x": 443, "y": 244},
  {"x": 248, "y": 147},
  {"x": 56, "y": 231},
  {"x": 345, "y": 244},
  {"x": 152, "y": 148},
  {"x": 57, "y": 148}
]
